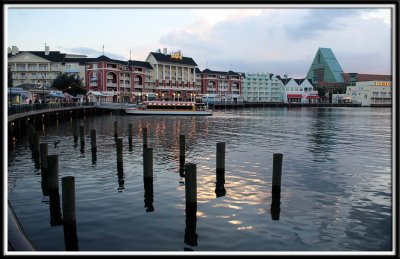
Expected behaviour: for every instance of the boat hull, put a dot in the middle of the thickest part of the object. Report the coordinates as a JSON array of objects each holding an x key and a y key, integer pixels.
[{"x": 168, "y": 112}]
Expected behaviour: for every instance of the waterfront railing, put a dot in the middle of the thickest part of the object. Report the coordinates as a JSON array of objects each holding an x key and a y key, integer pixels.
[{"x": 21, "y": 108}]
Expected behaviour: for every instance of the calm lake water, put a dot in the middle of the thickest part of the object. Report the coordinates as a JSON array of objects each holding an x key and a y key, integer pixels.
[{"x": 336, "y": 182}]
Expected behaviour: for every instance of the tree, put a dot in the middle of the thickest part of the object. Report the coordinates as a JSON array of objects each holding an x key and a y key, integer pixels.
[{"x": 70, "y": 84}]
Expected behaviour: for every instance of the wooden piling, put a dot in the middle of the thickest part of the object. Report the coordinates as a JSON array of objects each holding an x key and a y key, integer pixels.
[
  {"x": 148, "y": 162},
  {"x": 190, "y": 184},
  {"x": 220, "y": 157},
  {"x": 93, "y": 140},
  {"x": 52, "y": 165},
  {"x": 53, "y": 189},
  {"x": 75, "y": 129},
  {"x": 69, "y": 214},
  {"x": 115, "y": 129},
  {"x": 277, "y": 172},
  {"x": 82, "y": 134},
  {"x": 43, "y": 157},
  {"x": 119, "y": 153},
  {"x": 36, "y": 148},
  {"x": 68, "y": 199},
  {"x": 144, "y": 137},
  {"x": 130, "y": 133}
]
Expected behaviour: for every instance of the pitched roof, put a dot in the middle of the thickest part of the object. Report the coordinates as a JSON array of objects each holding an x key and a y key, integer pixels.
[
  {"x": 299, "y": 81},
  {"x": 53, "y": 56},
  {"x": 332, "y": 63},
  {"x": 224, "y": 73},
  {"x": 285, "y": 81},
  {"x": 167, "y": 59},
  {"x": 136, "y": 63}
]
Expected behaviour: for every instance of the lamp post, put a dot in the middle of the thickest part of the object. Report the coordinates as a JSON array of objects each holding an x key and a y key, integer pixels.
[
  {"x": 162, "y": 96},
  {"x": 178, "y": 97},
  {"x": 191, "y": 97},
  {"x": 43, "y": 89}
]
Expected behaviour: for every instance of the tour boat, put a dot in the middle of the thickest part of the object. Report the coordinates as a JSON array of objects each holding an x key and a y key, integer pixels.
[{"x": 169, "y": 108}]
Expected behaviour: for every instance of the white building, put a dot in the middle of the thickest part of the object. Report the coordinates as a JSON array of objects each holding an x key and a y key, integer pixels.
[
  {"x": 371, "y": 93},
  {"x": 42, "y": 67},
  {"x": 262, "y": 87},
  {"x": 299, "y": 91},
  {"x": 174, "y": 76}
]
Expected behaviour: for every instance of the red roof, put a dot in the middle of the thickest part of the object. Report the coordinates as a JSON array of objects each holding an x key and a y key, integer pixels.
[{"x": 294, "y": 96}]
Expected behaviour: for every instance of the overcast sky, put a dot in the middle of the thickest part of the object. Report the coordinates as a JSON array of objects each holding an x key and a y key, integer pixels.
[{"x": 251, "y": 38}]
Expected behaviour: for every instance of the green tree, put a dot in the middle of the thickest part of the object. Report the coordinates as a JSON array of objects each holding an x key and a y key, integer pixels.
[{"x": 70, "y": 84}]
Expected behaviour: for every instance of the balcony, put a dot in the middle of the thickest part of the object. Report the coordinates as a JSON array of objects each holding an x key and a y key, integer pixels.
[
  {"x": 111, "y": 85},
  {"x": 138, "y": 86}
]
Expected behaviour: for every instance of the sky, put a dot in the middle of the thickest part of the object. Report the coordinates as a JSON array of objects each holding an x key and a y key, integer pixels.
[{"x": 250, "y": 38}]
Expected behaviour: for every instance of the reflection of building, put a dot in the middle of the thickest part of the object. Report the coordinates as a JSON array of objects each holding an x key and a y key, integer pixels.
[
  {"x": 173, "y": 76},
  {"x": 262, "y": 87},
  {"x": 42, "y": 67},
  {"x": 299, "y": 91},
  {"x": 371, "y": 93}
]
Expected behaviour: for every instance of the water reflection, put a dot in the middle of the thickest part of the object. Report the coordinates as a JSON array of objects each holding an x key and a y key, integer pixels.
[
  {"x": 276, "y": 205},
  {"x": 220, "y": 185},
  {"x": 148, "y": 193},
  {"x": 120, "y": 173},
  {"x": 190, "y": 230},
  {"x": 94, "y": 156},
  {"x": 55, "y": 209},
  {"x": 70, "y": 237}
]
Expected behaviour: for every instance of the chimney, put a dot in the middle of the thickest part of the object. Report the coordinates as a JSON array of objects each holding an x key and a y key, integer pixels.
[
  {"x": 46, "y": 50},
  {"x": 165, "y": 51},
  {"x": 14, "y": 50}
]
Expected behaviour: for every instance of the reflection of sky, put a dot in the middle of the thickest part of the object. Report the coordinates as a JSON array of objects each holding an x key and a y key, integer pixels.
[{"x": 329, "y": 203}]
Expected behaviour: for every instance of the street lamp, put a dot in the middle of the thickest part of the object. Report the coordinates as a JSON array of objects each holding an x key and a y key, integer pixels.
[
  {"x": 178, "y": 97},
  {"x": 43, "y": 89}
]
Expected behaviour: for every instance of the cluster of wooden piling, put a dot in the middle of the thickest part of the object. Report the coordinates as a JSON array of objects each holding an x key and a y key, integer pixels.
[{"x": 49, "y": 170}]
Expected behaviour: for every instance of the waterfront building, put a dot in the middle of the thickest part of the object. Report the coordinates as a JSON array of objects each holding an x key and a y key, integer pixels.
[
  {"x": 371, "y": 93},
  {"x": 262, "y": 87},
  {"x": 117, "y": 80},
  {"x": 326, "y": 73},
  {"x": 299, "y": 91},
  {"x": 173, "y": 76},
  {"x": 40, "y": 68},
  {"x": 227, "y": 85},
  {"x": 325, "y": 70}
]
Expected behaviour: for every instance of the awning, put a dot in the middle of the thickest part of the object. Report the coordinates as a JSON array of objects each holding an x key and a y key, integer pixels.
[
  {"x": 313, "y": 97},
  {"x": 294, "y": 96},
  {"x": 56, "y": 94}
]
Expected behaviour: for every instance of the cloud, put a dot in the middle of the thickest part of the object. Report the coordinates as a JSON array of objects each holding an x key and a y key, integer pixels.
[
  {"x": 275, "y": 39},
  {"x": 314, "y": 21}
]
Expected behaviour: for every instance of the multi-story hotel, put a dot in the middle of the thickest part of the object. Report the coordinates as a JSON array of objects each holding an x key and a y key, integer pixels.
[
  {"x": 262, "y": 87},
  {"x": 227, "y": 85},
  {"x": 173, "y": 77},
  {"x": 40, "y": 68},
  {"x": 123, "y": 80}
]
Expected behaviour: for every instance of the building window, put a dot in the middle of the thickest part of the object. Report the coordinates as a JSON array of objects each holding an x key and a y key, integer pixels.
[
  {"x": 383, "y": 94},
  {"x": 375, "y": 94}
]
